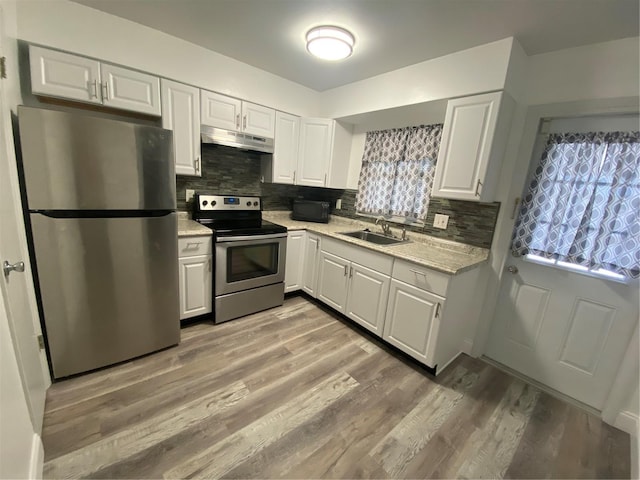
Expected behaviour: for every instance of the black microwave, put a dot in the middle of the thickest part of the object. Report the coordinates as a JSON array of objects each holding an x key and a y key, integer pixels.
[{"x": 310, "y": 211}]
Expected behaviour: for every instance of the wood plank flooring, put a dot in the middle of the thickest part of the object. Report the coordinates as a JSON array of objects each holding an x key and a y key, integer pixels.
[{"x": 297, "y": 392}]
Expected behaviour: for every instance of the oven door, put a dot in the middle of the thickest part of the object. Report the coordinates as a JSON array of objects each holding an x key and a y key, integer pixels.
[{"x": 245, "y": 262}]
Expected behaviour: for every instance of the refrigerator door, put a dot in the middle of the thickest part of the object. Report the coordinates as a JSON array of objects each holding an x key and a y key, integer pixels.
[
  {"x": 79, "y": 162},
  {"x": 108, "y": 288}
]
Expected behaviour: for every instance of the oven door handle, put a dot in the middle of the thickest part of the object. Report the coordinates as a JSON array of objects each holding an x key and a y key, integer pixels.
[{"x": 250, "y": 238}]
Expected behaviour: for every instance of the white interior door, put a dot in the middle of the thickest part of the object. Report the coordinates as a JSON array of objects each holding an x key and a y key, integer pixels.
[
  {"x": 563, "y": 329},
  {"x": 23, "y": 379},
  {"x": 566, "y": 330}
]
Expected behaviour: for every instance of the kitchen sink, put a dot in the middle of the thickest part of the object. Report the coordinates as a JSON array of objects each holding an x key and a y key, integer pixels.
[{"x": 369, "y": 236}]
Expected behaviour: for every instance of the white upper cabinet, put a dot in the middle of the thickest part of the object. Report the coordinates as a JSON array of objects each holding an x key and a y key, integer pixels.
[
  {"x": 64, "y": 75},
  {"x": 473, "y": 141},
  {"x": 130, "y": 90},
  {"x": 220, "y": 111},
  {"x": 181, "y": 114},
  {"x": 285, "y": 150},
  {"x": 258, "y": 120},
  {"x": 233, "y": 114},
  {"x": 316, "y": 138},
  {"x": 74, "y": 77}
]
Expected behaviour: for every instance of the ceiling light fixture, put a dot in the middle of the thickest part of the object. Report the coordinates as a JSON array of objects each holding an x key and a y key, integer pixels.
[{"x": 330, "y": 43}]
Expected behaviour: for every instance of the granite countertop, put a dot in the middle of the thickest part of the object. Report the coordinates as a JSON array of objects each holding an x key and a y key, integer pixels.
[
  {"x": 190, "y": 228},
  {"x": 431, "y": 252}
]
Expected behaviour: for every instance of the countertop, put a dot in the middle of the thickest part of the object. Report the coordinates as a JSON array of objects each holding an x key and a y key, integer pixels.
[
  {"x": 431, "y": 252},
  {"x": 190, "y": 228}
]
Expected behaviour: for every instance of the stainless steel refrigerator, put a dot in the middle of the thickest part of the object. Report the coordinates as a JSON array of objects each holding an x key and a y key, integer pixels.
[{"x": 102, "y": 225}]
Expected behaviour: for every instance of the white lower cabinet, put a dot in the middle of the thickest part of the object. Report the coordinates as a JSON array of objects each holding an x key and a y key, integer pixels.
[
  {"x": 358, "y": 291},
  {"x": 195, "y": 262},
  {"x": 413, "y": 321},
  {"x": 293, "y": 272},
  {"x": 333, "y": 280},
  {"x": 310, "y": 268}
]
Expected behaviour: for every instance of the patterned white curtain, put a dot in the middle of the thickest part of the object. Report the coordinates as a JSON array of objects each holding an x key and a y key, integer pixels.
[
  {"x": 583, "y": 204},
  {"x": 398, "y": 167}
]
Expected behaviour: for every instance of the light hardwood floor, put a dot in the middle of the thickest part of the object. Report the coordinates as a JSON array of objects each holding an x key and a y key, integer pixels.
[{"x": 296, "y": 392}]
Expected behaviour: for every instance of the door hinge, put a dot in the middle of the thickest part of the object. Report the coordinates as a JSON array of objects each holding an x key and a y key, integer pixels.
[
  {"x": 41, "y": 342},
  {"x": 3, "y": 67}
]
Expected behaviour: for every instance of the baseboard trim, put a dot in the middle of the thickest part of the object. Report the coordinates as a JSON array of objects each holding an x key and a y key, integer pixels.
[
  {"x": 628, "y": 422},
  {"x": 36, "y": 463}
]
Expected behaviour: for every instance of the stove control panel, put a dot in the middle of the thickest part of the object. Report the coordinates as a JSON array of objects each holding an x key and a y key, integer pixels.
[{"x": 226, "y": 202}]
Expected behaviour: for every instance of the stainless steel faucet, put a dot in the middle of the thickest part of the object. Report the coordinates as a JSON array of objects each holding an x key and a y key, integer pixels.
[{"x": 386, "y": 230}]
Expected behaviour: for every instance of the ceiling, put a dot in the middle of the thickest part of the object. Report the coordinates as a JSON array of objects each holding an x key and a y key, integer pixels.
[{"x": 390, "y": 34}]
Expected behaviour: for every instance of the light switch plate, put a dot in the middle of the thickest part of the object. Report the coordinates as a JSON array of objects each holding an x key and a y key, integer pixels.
[
  {"x": 190, "y": 194},
  {"x": 338, "y": 204},
  {"x": 440, "y": 221}
]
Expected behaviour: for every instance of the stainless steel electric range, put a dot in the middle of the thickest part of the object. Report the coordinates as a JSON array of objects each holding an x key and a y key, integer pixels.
[{"x": 249, "y": 254}]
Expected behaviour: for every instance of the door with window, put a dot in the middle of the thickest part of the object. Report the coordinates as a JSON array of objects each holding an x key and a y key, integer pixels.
[{"x": 569, "y": 300}]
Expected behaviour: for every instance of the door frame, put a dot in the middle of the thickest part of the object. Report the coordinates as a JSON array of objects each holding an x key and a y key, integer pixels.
[{"x": 517, "y": 160}]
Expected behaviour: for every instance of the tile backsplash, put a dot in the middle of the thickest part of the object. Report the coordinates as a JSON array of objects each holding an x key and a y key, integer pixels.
[{"x": 227, "y": 170}]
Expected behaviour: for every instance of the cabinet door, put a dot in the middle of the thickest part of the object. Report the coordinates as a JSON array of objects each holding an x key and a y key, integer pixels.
[
  {"x": 316, "y": 140},
  {"x": 465, "y": 149},
  {"x": 130, "y": 90},
  {"x": 285, "y": 153},
  {"x": 258, "y": 120},
  {"x": 333, "y": 279},
  {"x": 181, "y": 114},
  {"x": 413, "y": 321},
  {"x": 64, "y": 75},
  {"x": 220, "y": 111},
  {"x": 196, "y": 292},
  {"x": 295, "y": 261},
  {"x": 310, "y": 268},
  {"x": 367, "y": 297}
]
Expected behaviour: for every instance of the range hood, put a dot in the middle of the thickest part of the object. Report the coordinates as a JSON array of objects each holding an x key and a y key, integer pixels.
[{"x": 243, "y": 141}]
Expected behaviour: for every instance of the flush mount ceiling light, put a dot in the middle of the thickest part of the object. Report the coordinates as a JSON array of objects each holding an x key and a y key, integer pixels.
[{"x": 330, "y": 43}]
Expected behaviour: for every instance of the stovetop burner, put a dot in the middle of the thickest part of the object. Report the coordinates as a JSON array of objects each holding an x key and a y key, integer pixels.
[{"x": 229, "y": 215}]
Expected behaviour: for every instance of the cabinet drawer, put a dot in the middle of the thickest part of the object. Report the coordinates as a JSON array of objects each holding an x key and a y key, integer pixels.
[
  {"x": 421, "y": 277},
  {"x": 191, "y": 246},
  {"x": 376, "y": 261}
]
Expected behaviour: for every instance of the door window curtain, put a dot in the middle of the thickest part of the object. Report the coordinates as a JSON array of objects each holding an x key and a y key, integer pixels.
[
  {"x": 398, "y": 168},
  {"x": 583, "y": 203}
]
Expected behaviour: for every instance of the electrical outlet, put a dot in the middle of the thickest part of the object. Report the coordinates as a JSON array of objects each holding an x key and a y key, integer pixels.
[
  {"x": 190, "y": 194},
  {"x": 440, "y": 221},
  {"x": 338, "y": 204}
]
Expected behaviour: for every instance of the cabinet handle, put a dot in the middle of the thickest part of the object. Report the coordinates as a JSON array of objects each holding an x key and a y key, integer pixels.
[
  {"x": 244, "y": 122},
  {"x": 197, "y": 164},
  {"x": 346, "y": 269},
  {"x": 238, "y": 121},
  {"x": 350, "y": 272},
  {"x": 418, "y": 272},
  {"x": 317, "y": 245},
  {"x": 437, "y": 310},
  {"x": 105, "y": 91},
  {"x": 94, "y": 92},
  {"x": 294, "y": 177},
  {"x": 325, "y": 179},
  {"x": 478, "y": 185},
  {"x": 193, "y": 243}
]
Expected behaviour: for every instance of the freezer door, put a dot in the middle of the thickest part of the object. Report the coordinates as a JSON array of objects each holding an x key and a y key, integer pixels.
[
  {"x": 80, "y": 162},
  {"x": 108, "y": 288}
]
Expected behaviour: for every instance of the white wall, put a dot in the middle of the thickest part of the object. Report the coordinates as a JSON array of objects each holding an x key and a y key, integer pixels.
[
  {"x": 603, "y": 70},
  {"x": 79, "y": 29},
  {"x": 468, "y": 72}
]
